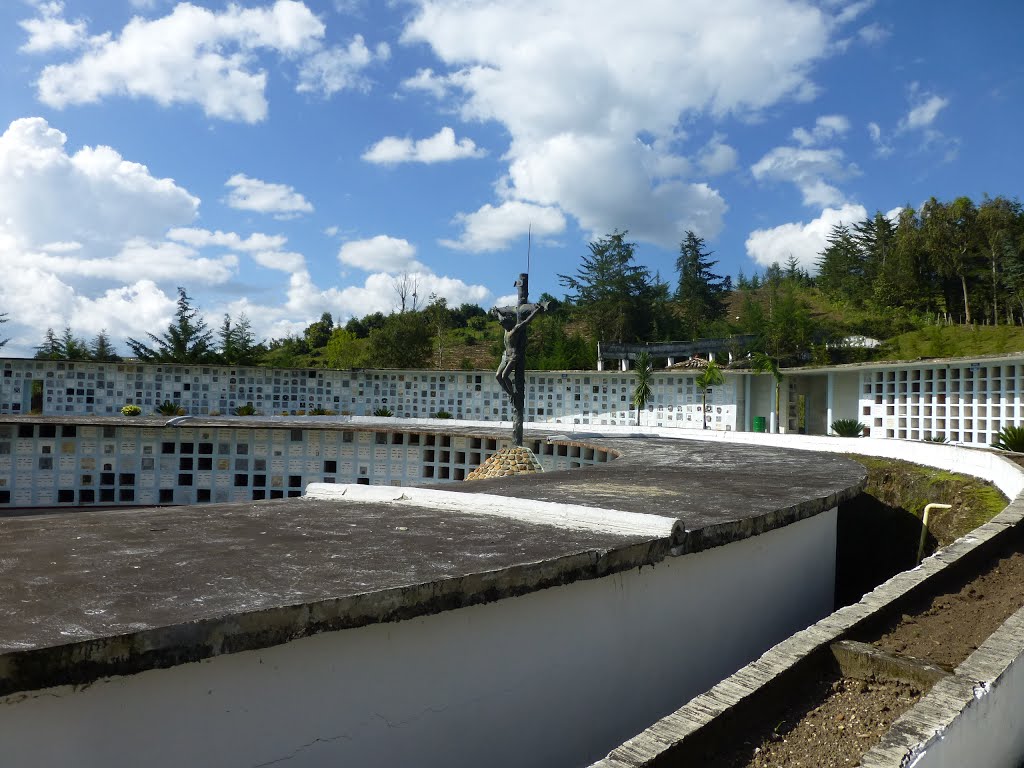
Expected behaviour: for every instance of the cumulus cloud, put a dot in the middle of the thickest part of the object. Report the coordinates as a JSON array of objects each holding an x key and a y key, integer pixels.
[
  {"x": 804, "y": 241},
  {"x": 93, "y": 195},
  {"x": 630, "y": 71},
  {"x": 425, "y": 80},
  {"x": 264, "y": 249},
  {"x": 280, "y": 200},
  {"x": 439, "y": 148},
  {"x": 809, "y": 169},
  {"x": 380, "y": 254},
  {"x": 493, "y": 228},
  {"x": 340, "y": 68},
  {"x": 717, "y": 157},
  {"x": 197, "y": 56},
  {"x": 826, "y": 128},
  {"x": 50, "y": 31}
]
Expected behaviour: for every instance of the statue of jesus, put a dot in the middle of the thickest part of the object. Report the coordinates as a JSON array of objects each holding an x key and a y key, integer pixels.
[{"x": 511, "y": 373}]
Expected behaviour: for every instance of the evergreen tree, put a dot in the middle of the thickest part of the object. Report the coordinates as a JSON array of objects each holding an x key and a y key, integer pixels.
[
  {"x": 72, "y": 347},
  {"x": 186, "y": 340},
  {"x": 51, "y": 348},
  {"x": 841, "y": 267},
  {"x": 611, "y": 293},
  {"x": 238, "y": 345},
  {"x": 3, "y": 319},
  {"x": 101, "y": 349},
  {"x": 700, "y": 294},
  {"x": 403, "y": 341}
]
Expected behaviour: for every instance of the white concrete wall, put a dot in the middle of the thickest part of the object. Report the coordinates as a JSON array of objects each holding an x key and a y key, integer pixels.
[
  {"x": 989, "y": 732},
  {"x": 846, "y": 396},
  {"x": 557, "y": 677}
]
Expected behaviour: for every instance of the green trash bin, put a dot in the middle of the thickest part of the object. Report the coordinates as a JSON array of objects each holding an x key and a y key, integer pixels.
[{"x": 759, "y": 424}]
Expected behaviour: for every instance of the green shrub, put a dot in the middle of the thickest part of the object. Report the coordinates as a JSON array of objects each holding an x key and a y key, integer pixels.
[
  {"x": 245, "y": 410},
  {"x": 131, "y": 410},
  {"x": 167, "y": 408},
  {"x": 383, "y": 411},
  {"x": 1010, "y": 439},
  {"x": 443, "y": 415},
  {"x": 847, "y": 427},
  {"x": 936, "y": 438},
  {"x": 322, "y": 412}
]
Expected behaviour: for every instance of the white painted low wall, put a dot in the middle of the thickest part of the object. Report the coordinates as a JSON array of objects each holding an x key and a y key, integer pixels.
[
  {"x": 556, "y": 677},
  {"x": 989, "y": 732}
]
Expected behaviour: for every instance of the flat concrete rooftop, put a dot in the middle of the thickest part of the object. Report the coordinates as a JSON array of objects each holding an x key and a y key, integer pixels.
[{"x": 95, "y": 593}]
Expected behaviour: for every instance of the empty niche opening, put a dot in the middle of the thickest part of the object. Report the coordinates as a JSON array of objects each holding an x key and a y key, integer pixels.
[
  {"x": 444, "y": 473},
  {"x": 446, "y": 456},
  {"x": 460, "y": 473},
  {"x": 460, "y": 458},
  {"x": 428, "y": 457},
  {"x": 428, "y": 470}
]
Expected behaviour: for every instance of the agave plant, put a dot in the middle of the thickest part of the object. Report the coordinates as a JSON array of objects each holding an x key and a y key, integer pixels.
[
  {"x": 443, "y": 415},
  {"x": 245, "y": 410},
  {"x": 383, "y": 411},
  {"x": 847, "y": 427},
  {"x": 167, "y": 408},
  {"x": 1011, "y": 439}
]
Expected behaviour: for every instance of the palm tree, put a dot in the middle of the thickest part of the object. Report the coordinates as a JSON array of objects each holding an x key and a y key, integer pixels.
[
  {"x": 710, "y": 376},
  {"x": 642, "y": 388},
  {"x": 763, "y": 363}
]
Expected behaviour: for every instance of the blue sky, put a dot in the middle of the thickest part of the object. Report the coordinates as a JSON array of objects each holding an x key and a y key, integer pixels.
[{"x": 285, "y": 158}]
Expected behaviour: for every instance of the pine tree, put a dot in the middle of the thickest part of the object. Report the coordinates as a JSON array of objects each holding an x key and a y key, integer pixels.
[
  {"x": 701, "y": 294},
  {"x": 51, "y": 348},
  {"x": 101, "y": 349},
  {"x": 612, "y": 294},
  {"x": 186, "y": 340}
]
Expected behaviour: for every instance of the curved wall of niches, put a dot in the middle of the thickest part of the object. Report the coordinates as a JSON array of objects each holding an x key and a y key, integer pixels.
[{"x": 107, "y": 462}]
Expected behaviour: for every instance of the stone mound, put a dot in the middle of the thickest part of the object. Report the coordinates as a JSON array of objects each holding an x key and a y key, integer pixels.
[{"x": 507, "y": 462}]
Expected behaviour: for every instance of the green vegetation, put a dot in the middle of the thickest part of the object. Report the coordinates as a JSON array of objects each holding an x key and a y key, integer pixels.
[
  {"x": 442, "y": 415},
  {"x": 1010, "y": 439},
  {"x": 847, "y": 427},
  {"x": 245, "y": 410},
  {"x": 710, "y": 376},
  {"x": 643, "y": 374},
  {"x": 167, "y": 408},
  {"x": 131, "y": 410},
  {"x": 383, "y": 411},
  {"x": 945, "y": 280}
]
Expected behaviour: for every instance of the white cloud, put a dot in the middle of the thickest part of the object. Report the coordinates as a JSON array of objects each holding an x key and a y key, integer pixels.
[
  {"x": 425, "y": 80},
  {"x": 202, "y": 238},
  {"x": 826, "y": 128},
  {"x": 337, "y": 69},
  {"x": 882, "y": 146},
  {"x": 873, "y": 34},
  {"x": 926, "y": 107},
  {"x": 380, "y": 254},
  {"x": 717, "y": 157},
  {"x": 632, "y": 70},
  {"x": 92, "y": 196},
  {"x": 809, "y": 170},
  {"x": 439, "y": 148},
  {"x": 805, "y": 241},
  {"x": 265, "y": 250},
  {"x": 494, "y": 228},
  {"x": 197, "y": 56},
  {"x": 51, "y": 31},
  {"x": 280, "y": 200},
  {"x": 162, "y": 262}
]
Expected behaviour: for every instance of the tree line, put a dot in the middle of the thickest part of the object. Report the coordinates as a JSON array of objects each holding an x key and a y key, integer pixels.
[{"x": 950, "y": 262}]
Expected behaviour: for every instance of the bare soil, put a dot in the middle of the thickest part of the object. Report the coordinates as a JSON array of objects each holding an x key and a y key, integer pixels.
[{"x": 834, "y": 721}]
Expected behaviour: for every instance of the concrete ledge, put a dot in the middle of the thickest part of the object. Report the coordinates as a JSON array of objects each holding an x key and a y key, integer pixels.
[{"x": 699, "y": 718}]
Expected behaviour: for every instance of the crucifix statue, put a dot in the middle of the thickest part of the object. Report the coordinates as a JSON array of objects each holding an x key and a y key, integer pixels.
[{"x": 511, "y": 374}]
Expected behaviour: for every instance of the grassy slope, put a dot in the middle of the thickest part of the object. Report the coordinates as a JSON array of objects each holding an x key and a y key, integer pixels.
[{"x": 955, "y": 341}]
